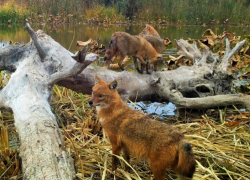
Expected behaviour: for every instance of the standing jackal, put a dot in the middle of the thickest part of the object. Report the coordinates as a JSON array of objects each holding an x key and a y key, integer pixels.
[
  {"x": 128, "y": 130},
  {"x": 136, "y": 46},
  {"x": 149, "y": 30},
  {"x": 153, "y": 37}
]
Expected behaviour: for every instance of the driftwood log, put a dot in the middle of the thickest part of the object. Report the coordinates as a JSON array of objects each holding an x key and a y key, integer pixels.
[
  {"x": 41, "y": 63},
  {"x": 36, "y": 67},
  {"x": 206, "y": 84}
]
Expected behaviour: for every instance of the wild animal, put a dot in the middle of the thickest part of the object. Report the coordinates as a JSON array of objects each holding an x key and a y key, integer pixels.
[
  {"x": 153, "y": 37},
  {"x": 132, "y": 132},
  {"x": 149, "y": 30},
  {"x": 136, "y": 46},
  {"x": 157, "y": 43}
]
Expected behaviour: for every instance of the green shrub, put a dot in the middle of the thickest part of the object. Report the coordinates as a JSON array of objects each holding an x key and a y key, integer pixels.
[
  {"x": 172, "y": 11},
  {"x": 10, "y": 12}
]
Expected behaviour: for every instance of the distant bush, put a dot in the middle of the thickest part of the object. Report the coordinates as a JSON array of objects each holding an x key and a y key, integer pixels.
[
  {"x": 10, "y": 12},
  {"x": 156, "y": 11},
  {"x": 196, "y": 11},
  {"x": 101, "y": 13}
]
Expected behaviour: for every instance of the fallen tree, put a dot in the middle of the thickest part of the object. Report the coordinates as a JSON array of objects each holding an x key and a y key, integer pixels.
[
  {"x": 206, "y": 84},
  {"x": 43, "y": 62},
  {"x": 36, "y": 67}
]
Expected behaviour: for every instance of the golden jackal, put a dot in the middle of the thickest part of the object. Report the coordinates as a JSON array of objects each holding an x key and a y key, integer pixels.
[
  {"x": 128, "y": 130},
  {"x": 136, "y": 46},
  {"x": 149, "y": 30},
  {"x": 152, "y": 36}
]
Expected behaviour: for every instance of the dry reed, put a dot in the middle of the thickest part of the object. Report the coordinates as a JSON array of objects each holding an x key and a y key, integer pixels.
[{"x": 220, "y": 142}]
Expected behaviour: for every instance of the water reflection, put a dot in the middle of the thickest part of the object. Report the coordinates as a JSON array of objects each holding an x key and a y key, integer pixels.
[{"x": 64, "y": 34}]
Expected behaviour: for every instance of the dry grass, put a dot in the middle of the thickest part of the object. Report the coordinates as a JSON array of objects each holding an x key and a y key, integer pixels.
[{"x": 220, "y": 142}]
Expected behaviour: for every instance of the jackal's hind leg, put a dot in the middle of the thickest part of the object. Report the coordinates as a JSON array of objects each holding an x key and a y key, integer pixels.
[
  {"x": 126, "y": 157},
  {"x": 155, "y": 66}
]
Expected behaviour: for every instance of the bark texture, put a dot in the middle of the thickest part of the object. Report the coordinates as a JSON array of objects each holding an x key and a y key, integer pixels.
[{"x": 36, "y": 66}]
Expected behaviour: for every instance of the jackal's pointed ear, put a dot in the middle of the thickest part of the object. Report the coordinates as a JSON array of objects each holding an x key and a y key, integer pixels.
[
  {"x": 97, "y": 80},
  {"x": 148, "y": 26},
  {"x": 113, "y": 85}
]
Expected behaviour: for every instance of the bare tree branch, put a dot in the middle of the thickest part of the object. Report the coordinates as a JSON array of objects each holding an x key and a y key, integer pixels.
[
  {"x": 33, "y": 35},
  {"x": 235, "y": 49},
  {"x": 74, "y": 70},
  {"x": 228, "y": 55},
  {"x": 203, "y": 102},
  {"x": 191, "y": 51},
  {"x": 203, "y": 60},
  {"x": 228, "y": 49},
  {"x": 212, "y": 101}
]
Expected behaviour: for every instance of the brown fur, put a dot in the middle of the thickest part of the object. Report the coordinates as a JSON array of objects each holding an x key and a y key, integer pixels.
[
  {"x": 136, "y": 46},
  {"x": 152, "y": 36},
  {"x": 155, "y": 42},
  {"x": 149, "y": 30},
  {"x": 128, "y": 130}
]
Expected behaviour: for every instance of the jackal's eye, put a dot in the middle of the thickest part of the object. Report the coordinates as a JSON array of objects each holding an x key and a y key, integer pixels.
[{"x": 101, "y": 96}]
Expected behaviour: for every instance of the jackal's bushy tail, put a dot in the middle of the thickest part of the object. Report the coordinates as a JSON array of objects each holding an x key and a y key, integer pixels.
[{"x": 186, "y": 160}]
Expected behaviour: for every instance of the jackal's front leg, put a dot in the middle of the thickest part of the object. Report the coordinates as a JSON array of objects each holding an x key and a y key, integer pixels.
[
  {"x": 143, "y": 64},
  {"x": 136, "y": 64},
  {"x": 147, "y": 68},
  {"x": 115, "y": 150},
  {"x": 143, "y": 67}
]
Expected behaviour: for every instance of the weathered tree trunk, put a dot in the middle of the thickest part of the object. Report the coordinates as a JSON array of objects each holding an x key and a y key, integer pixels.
[{"x": 37, "y": 66}]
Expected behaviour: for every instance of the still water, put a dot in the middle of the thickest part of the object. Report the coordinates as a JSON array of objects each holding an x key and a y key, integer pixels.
[
  {"x": 65, "y": 34},
  {"x": 69, "y": 34}
]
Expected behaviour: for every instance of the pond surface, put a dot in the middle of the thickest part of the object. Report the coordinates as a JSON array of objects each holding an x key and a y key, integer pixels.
[{"x": 69, "y": 34}]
